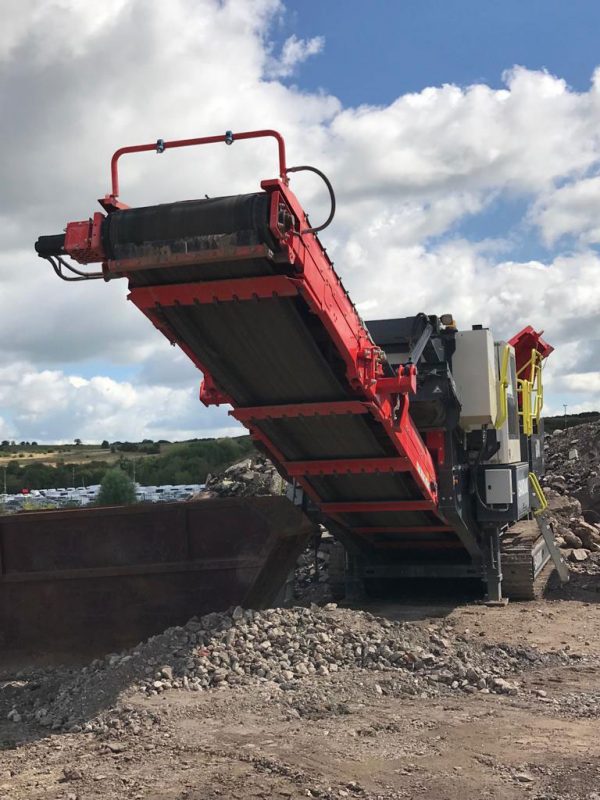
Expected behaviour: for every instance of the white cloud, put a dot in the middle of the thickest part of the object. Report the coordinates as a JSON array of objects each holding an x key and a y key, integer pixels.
[
  {"x": 406, "y": 175},
  {"x": 521, "y": 138},
  {"x": 293, "y": 53},
  {"x": 587, "y": 383},
  {"x": 573, "y": 210},
  {"x": 464, "y": 279},
  {"x": 44, "y": 404}
]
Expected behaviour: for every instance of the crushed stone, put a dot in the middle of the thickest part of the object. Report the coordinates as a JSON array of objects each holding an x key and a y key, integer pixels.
[{"x": 298, "y": 650}]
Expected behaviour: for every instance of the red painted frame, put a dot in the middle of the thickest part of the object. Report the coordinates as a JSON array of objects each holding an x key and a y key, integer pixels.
[
  {"x": 362, "y": 506},
  {"x": 334, "y": 407},
  {"x": 188, "y": 294},
  {"x": 374, "y": 529},
  {"x": 314, "y": 280},
  {"x": 354, "y": 466}
]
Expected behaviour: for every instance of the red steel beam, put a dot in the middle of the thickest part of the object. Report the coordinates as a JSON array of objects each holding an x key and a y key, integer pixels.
[
  {"x": 346, "y": 465},
  {"x": 362, "y": 506},
  {"x": 188, "y": 294},
  {"x": 373, "y": 529},
  {"x": 335, "y": 407}
]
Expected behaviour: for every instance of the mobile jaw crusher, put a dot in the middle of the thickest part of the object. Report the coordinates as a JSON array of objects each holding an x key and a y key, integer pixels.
[{"x": 418, "y": 445}]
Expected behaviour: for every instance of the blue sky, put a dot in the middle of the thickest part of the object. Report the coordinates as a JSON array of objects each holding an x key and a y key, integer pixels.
[
  {"x": 462, "y": 138},
  {"x": 378, "y": 49}
]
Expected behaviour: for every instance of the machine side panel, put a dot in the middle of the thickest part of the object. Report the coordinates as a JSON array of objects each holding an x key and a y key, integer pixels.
[{"x": 473, "y": 367}]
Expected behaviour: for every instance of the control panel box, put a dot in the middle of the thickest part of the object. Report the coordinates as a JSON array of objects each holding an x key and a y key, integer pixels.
[
  {"x": 498, "y": 486},
  {"x": 503, "y": 492},
  {"x": 475, "y": 373}
]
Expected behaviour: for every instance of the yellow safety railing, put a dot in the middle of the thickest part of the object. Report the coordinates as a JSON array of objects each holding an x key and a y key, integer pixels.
[
  {"x": 503, "y": 388},
  {"x": 531, "y": 390},
  {"x": 539, "y": 493},
  {"x": 539, "y": 397},
  {"x": 524, "y": 387}
]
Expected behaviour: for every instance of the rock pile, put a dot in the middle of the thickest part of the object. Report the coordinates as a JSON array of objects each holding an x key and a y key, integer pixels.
[
  {"x": 286, "y": 649},
  {"x": 578, "y": 539},
  {"x": 573, "y": 462},
  {"x": 250, "y": 477},
  {"x": 572, "y": 487}
]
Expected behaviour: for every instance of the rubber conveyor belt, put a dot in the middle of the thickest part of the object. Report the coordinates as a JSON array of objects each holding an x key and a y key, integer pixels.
[{"x": 263, "y": 351}]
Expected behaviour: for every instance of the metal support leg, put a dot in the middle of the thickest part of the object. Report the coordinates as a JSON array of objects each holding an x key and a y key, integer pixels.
[{"x": 493, "y": 566}]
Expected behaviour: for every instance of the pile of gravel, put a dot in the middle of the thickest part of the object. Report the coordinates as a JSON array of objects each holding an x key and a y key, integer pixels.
[
  {"x": 572, "y": 487},
  {"x": 578, "y": 539},
  {"x": 286, "y": 649},
  {"x": 573, "y": 462},
  {"x": 247, "y": 478}
]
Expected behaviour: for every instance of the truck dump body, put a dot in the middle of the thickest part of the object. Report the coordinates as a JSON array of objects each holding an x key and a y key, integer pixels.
[{"x": 98, "y": 579}]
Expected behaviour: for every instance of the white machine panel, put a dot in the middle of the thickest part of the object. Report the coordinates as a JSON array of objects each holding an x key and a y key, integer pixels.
[
  {"x": 498, "y": 486},
  {"x": 474, "y": 370}
]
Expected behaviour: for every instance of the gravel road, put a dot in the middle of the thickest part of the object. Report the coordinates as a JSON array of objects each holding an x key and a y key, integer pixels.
[{"x": 429, "y": 700}]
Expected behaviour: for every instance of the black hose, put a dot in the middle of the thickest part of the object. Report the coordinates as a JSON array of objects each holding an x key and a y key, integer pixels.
[
  {"x": 59, "y": 263},
  {"x": 327, "y": 183},
  {"x": 71, "y": 268}
]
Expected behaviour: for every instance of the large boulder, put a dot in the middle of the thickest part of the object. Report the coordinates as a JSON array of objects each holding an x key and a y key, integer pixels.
[
  {"x": 579, "y": 554},
  {"x": 570, "y": 539},
  {"x": 588, "y": 534}
]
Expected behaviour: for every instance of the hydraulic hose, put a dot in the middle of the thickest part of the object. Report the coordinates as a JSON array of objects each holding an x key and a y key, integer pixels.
[{"x": 326, "y": 181}]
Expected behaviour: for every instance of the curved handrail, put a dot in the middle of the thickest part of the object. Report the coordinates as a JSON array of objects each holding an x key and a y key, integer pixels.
[{"x": 160, "y": 146}]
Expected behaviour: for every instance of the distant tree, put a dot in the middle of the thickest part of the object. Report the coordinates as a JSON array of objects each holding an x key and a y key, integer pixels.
[
  {"x": 150, "y": 449},
  {"x": 105, "y": 444},
  {"x": 128, "y": 447},
  {"x": 116, "y": 489},
  {"x": 77, "y": 442},
  {"x": 34, "y": 444}
]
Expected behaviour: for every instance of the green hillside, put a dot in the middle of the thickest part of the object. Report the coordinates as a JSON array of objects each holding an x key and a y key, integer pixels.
[{"x": 180, "y": 462}]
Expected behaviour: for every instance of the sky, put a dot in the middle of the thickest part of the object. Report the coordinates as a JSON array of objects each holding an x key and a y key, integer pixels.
[{"x": 462, "y": 138}]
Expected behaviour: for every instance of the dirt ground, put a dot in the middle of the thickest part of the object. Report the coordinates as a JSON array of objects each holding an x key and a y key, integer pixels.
[{"x": 361, "y": 742}]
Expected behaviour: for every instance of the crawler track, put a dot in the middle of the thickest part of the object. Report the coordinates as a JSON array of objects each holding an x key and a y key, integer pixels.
[{"x": 526, "y": 563}]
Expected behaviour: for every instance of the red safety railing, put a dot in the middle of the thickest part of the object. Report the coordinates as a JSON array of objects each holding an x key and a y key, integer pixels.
[{"x": 160, "y": 146}]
